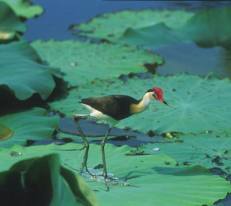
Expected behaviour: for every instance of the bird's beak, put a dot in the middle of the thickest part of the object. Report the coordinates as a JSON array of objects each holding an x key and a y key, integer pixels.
[{"x": 165, "y": 103}]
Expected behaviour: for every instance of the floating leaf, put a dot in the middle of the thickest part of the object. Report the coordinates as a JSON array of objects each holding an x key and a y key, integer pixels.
[
  {"x": 112, "y": 25},
  {"x": 5, "y": 132},
  {"x": 22, "y": 74},
  {"x": 24, "y": 8},
  {"x": 82, "y": 61},
  {"x": 40, "y": 181},
  {"x": 146, "y": 176},
  {"x": 152, "y": 37},
  {"x": 29, "y": 125},
  {"x": 208, "y": 150},
  {"x": 208, "y": 28},
  {"x": 196, "y": 104},
  {"x": 10, "y": 24}
]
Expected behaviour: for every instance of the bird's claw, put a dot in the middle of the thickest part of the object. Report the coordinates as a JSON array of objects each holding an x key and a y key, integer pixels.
[{"x": 87, "y": 171}]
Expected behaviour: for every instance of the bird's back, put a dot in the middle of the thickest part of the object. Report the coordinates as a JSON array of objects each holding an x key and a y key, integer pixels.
[{"x": 115, "y": 106}]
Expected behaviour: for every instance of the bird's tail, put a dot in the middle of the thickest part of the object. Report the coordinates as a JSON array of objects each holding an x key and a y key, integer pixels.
[{"x": 78, "y": 117}]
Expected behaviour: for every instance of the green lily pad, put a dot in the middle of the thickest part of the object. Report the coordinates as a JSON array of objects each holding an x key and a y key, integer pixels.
[
  {"x": 146, "y": 176},
  {"x": 208, "y": 28},
  {"x": 83, "y": 61},
  {"x": 113, "y": 25},
  {"x": 196, "y": 104},
  {"x": 152, "y": 37},
  {"x": 24, "y": 8},
  {"x": 22, "y": 74},
  {"x": 30, "y": 125},
  {"x": 10, "y": 24},
  {"x": 208, "y": 150},
  {"x": 25, "y": 180}
]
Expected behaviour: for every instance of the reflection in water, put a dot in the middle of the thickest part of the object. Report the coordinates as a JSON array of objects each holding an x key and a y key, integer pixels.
[{"x": 95, "y": 132}]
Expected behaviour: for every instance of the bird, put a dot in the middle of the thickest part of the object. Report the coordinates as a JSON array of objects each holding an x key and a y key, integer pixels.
[{"x": 111, "y": 109}]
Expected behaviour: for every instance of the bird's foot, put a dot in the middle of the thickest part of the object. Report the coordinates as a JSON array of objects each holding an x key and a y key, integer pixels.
[{"x": 85, "y": 170}]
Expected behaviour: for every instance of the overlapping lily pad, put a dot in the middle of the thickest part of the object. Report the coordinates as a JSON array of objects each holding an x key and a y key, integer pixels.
[
  {"x": 19, "y": 127},
  {"x": 113, "y": 25},
  {"x": 196, "y": 104},
  {"x": 207, "y": 27},
  {"x": 83, "y": 61},
  {"x": 10, "y": 24},
  {"x": 210, "y": 27},
  {"x": 146, "y": 176},
  {"x": 22, "y": 73},
  {"x": 211, "y": 151},
  {"x": 24, "y": 8},
  {"x": 43, "y": 181}
]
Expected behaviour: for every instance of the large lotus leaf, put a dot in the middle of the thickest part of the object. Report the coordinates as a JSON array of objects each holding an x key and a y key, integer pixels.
[
  {"x": 41, "y": 181},
  {"x": 19, "y": 127},
  {"x": 153, "y": 36},
  {"x": 10, "y": 24},
  {"x": 207, "y": 27},
  {"x": 210, "y": 27},
  {"x": 208, "y": 150},
  {"x": 24, "y": 8},
  {"x": 22, "y": 74},
  {"x": 196, "y": 104},
  {"x": 113, "y": 25},
  {"x": 150, "y": 179},
  {"x": 83, "y": 61}
]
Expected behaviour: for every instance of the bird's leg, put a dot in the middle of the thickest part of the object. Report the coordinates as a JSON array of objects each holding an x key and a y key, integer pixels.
[
  {"x": 86, "y": 147},
  {"x": 103, "y": 142}
]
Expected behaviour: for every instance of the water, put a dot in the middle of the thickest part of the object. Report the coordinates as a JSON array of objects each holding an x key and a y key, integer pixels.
[
  {"x": 59, "y": 14},
  {"x": 190, "y": 58}
]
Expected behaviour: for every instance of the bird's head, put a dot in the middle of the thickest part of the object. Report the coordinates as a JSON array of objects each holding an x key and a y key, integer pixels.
[{"x": 158, "y": 94}]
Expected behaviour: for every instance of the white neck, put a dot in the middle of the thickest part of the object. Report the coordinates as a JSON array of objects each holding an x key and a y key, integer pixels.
[
  {"x": 146, "y": 99},
  {"x": 143, "y": 104}
]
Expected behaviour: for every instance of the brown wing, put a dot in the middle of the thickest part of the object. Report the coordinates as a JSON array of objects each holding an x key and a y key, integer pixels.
[{"x": 115, "y": 106}]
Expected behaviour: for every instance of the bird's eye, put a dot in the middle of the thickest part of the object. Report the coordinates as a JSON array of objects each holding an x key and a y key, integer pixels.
[{"x": 154, "y": 95}]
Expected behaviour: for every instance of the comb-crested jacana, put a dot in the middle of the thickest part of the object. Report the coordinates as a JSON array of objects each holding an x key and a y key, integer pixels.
[{"x": 113, "y": 108}]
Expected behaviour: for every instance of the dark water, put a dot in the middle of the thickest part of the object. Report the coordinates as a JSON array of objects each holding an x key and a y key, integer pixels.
[{"x": 60, "y": 14}]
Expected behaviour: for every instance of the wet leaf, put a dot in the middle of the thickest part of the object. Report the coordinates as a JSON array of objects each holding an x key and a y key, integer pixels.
[
  {"x": 210, "y": 27},
  {"x": 10, "y": 25},
  {"x": 22, "y": 73},
  {"x": 24, "y": 8},
  {"x": 113, "y": 25},
  {"x": 83, "y": 61},
  {"x": 42, "y": 181},
  {"x": 196, "y": 104},
  {"x": 23, "y": 126},
  {"x": 211, "y": 150},
  {"x": 144, "y": 176},
  {"x": 207, "y": 27}
]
